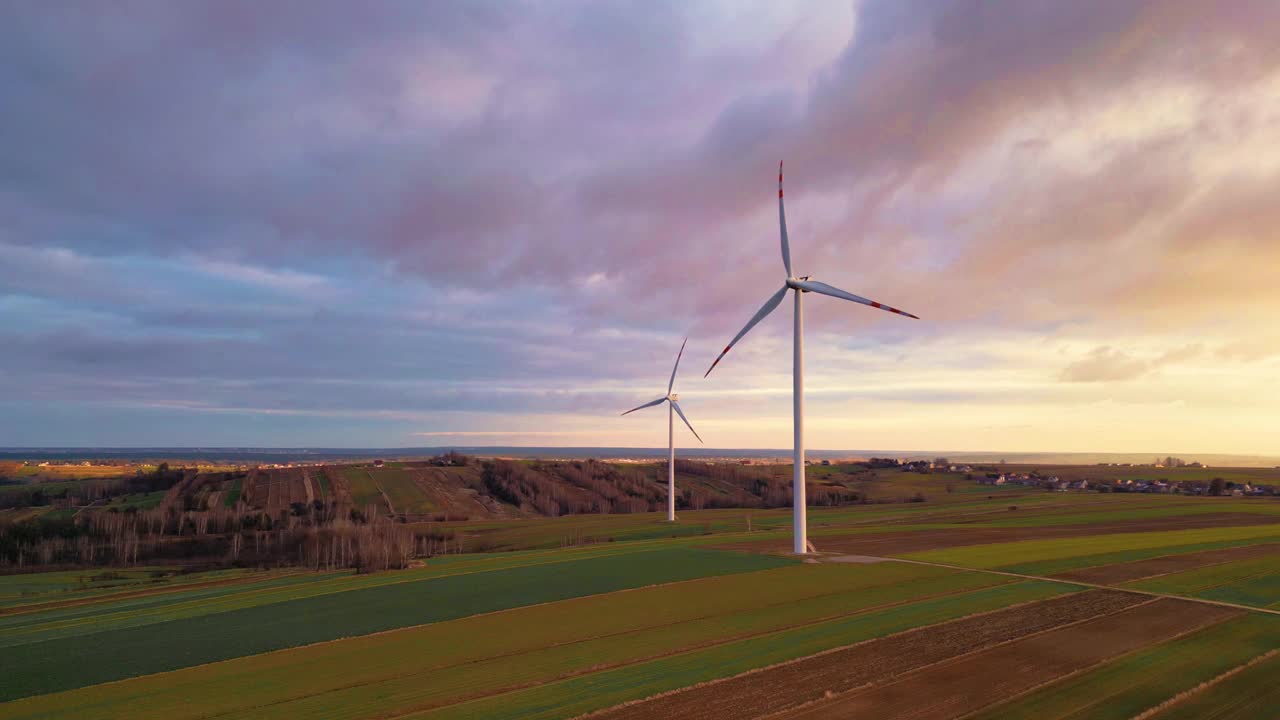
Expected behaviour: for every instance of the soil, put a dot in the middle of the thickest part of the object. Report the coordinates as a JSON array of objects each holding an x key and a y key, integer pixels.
[
  {"x": 963, "y": 685},
  {"x": 881, "y": 544},
  {"x": 793, "y": 684},
  {"x": 1124, "y": 572}
]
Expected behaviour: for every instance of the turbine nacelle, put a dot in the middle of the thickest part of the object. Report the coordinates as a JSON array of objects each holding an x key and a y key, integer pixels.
[{"x": 673, "y": 397}]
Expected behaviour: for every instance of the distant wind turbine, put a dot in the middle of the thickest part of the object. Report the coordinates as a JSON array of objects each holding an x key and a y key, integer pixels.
[
  {"x": 800, "y": 285},
  {"x": 673, "y": 404}
]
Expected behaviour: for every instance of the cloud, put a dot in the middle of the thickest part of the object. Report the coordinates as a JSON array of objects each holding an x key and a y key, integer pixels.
[
  {"x": 1105, "y": 365},
  {"x": 319, "y": 208}
]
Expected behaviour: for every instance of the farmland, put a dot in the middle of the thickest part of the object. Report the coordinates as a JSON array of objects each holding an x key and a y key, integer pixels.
[{"x": 1061, "y": 604}]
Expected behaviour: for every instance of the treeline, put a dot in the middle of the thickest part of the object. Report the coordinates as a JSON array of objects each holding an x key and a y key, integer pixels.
[
  {"x": 590, "y": 486},
  {"x": 88, "y": 491},
  {"x": 555, "y": 489},
  {"x": 320, "y": 536},
  {"x": 254, "y": 518}
]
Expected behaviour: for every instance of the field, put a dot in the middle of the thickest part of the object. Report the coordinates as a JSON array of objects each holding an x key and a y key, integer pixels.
[{"x": 987, "y": 604}]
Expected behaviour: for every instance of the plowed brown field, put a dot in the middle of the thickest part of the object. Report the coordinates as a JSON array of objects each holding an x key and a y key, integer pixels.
[
  {"x": 962, "y": 685},
  {"x": 1124, "y": 572},
  {"x": 790, "y": 685}
]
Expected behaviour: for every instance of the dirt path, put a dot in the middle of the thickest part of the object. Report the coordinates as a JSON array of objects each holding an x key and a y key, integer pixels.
[
  {"x": 306, "y": 487},
  {"x": 1167, "y": 564},
  {"x": 791, "y": 685},
  {"x": 948, "y": 689},
  {"x": 385, "y": 497}
]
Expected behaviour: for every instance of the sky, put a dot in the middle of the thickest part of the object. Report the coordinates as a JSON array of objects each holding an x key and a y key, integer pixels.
[{"x": 492, "y": 223}]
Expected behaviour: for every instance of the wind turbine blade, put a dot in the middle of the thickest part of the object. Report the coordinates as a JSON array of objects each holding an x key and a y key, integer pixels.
[
  {"x": 825, "y": 289},
  {"x": 782, "y": 226},
  {"x": 659, "y": 401},
  {"x": 677, "y": 366},
  {"x": 764, "y": 310},
  {"x": 679, "y": 412}
]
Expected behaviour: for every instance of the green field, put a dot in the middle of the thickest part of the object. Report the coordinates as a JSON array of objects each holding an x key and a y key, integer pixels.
[
  {"x": 115, "y": 648},
  {"x": 326, "y": 488},
  {"x": 530, "y": 645},
  {"x": 405, "y": 494},
  {"x": 574, "y": 696},
  {"x": 364, "y": 491},
  {"x": 1127, "y": 686},
  {"x": 1249, "y": 582},
  {"x": 1018, "y": 554},
  {"x": 1249, "y": 694},
  {"x": 600, "y": 610},
  {"x": 233, "y": 493}
]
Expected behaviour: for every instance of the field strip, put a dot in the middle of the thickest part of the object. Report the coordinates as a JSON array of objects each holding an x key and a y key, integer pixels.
[
  {"x": 1189, "y": 598},
  {"x": 1132, "y": 683},
  {"x": 602, "y": 690},
  {"x": 158, "y": 589},
  {"x": 344, "y": 582},
  {"x": 34, "y": 667},
  {"x": 1185, "y": 694},
  {"x": 1230, "y": 581},
  {"x": 638, "y": 660},
  {"x": 725, "y": 698},
  {"x": 1207, "y": 579},
  {"x": 306, "y": 486},
  {"x": 741, "y": 613},
  {"x": 385, "y": 497},
  {"x": 1169, "y": 564},
  {"x": 1082, "y": 671},
  {"x": 947, "y": 689}
]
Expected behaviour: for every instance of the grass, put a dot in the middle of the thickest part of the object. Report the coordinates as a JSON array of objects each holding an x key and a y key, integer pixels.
[
  {"x": 405, "y": 494},
  {"x": 138, "y": 612},
  {"x": 1249, "y": 694},
  {"x": 233, "y": 493},
  {"x": 1061, "y": 565},
  {"x": 140, "y": 501},
  {"x": 1013, "y": 554},
  {"x": 1263, "y": 591},
  {"x": 99, "y": 584},
  {"x": 1174, "y": 507},
  {"x": 451, "y": 661},
  {"x": 636, "y": 608},
  {"x": 39, "y": 665},
  {"x": 326, "y": 489},
  {"x": 595, "y": 691},
  {"x": 364, "y": 491},
  {"x": 1207, "y": 578},
  {"x": 1131, "y": 684}
]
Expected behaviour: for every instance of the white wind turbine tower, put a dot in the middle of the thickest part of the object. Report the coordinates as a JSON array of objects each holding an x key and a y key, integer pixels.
[
  {"x": 673, "y": 404},
  {"x": 800, "y": 285}
]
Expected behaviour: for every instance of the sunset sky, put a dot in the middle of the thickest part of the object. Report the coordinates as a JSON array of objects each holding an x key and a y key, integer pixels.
[{"x": 492, "y": 223}]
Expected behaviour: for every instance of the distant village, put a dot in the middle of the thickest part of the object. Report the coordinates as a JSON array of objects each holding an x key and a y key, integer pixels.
[{"x": 981, "y": 473}]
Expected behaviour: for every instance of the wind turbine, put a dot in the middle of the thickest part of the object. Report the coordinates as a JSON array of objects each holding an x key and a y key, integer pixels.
[
  {"x": 799, "y": 285},
  {"x": 673, "y": 404}
]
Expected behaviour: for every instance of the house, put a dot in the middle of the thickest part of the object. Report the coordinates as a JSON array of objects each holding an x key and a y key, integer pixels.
[{"x": 377, "y": 463}]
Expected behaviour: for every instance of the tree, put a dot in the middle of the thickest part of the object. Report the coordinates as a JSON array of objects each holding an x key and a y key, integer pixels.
[{"x": 1215, "y": 487}]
